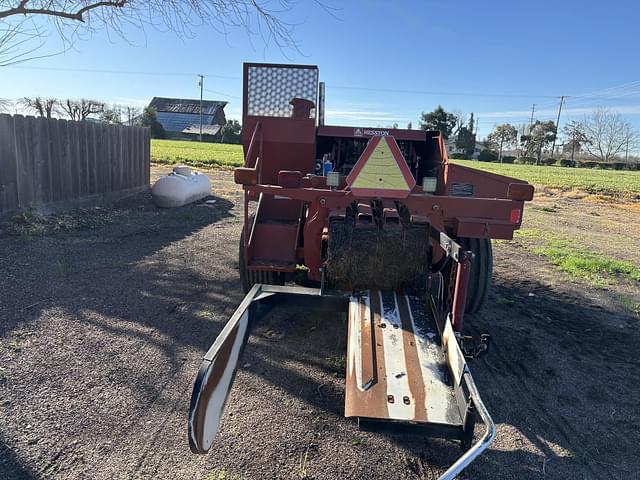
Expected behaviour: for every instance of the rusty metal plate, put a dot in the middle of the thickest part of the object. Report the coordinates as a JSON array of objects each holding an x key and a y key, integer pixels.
[{"x": 396, "y": 369}]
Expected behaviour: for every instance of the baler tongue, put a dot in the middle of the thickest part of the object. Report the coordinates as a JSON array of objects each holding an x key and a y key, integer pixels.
[{"x": 405, "y": 371}]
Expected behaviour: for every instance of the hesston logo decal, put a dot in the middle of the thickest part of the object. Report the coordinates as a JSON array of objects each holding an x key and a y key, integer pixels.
[{"x": 359, "y": 132}]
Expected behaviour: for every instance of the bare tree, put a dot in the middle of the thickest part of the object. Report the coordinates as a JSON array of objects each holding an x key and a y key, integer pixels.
[
  {"x": 80, "y": 110},
  {"x": 131, "y": 113},
  {"x": 71, "y": 19},
  {"x": 43, "y": 107},
  {"x": 460, "y": 119},
  {"x": 5, "y": 105},
  {"x": 20, "y": 38},
  {"x": 608, "y": 135},
  {"x": 119, "y": 114},
  {"x": 111, "y": 114}
]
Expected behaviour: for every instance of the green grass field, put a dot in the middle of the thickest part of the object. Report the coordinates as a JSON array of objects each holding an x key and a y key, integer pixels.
[
  {"x": 196, "y": 154},
  {"x": 576, "y": 260},
  {"x": 605, "y": 182}
]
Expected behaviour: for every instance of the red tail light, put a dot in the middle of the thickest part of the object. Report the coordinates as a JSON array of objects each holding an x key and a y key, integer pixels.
[{"x": 515, "y": 216}]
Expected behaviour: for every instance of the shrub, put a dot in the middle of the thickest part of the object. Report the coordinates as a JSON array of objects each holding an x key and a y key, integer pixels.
[
  {"x": 525, "y": 160},
  {"x": 487, "y": 156},
  {"x": 459, "y": 156},
  {"x": 508, "y": 159},
  {"x": 619, "y": 165},
  {"x": 548, "y": 161},
  {"x": 590, "y": 164},
  {"x": 567, "y": 162}
]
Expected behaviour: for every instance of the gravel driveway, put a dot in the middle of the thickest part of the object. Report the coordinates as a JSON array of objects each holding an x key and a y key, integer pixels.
[{"x": 103, "y": 324}]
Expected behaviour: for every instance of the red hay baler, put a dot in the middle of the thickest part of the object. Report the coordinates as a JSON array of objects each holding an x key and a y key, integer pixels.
[{"x": 374, "y": 222}]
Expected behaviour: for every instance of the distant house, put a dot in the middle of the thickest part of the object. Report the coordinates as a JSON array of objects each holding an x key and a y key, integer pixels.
[{"x": 180, "y": 118}]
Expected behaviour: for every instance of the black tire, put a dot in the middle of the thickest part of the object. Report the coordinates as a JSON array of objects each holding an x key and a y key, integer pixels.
[
  {"x": 481, "y": 271},
  {"x": 248, "y": 278}
]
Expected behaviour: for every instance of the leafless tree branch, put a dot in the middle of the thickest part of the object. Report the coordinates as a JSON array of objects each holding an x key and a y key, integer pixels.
[
  {"x": 71, "y": 19},
  {"x": 5, "y": 105},
  {"x": 80, "y": 110},
  {"x": 44, "y": 107},
  {"x": 608, "y": 135}
]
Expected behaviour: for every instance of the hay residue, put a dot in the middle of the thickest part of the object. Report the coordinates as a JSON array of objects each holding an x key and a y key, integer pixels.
[{"x": 392, "y": 258}]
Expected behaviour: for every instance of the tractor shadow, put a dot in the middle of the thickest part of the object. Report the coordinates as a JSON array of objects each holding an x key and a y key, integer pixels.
[
  {"x": 103, "y": 261},
  {"x": 12, "y": 466}
]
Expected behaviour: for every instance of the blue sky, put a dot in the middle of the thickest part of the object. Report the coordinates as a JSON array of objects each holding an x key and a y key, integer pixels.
[{"x": 493, "y": 58}]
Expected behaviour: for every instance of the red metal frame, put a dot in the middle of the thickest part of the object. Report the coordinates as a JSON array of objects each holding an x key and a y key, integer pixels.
[{"x": 276, "y": 144}]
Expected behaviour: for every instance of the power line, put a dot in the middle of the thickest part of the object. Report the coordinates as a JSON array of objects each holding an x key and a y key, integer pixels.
[
  {"x": 425, "y": 92},
  {"x": 619, "y": 91},
  {"x": 223, "y": 94},
  {"x": 121, "y": 72}
]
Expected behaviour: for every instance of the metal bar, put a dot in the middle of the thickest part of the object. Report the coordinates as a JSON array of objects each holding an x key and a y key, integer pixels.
[
  {"x": 461, "y": 374},
  {"x": 251, "y": 145},
  {"x": 481, "y": 445},
  {"x": 438, "y": 209},
  {"x": 253, "y": 225},
  {"x": 460, "y": 292}
]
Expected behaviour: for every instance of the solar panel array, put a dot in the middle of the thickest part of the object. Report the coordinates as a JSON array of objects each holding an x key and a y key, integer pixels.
[{"x": 176, "y": 122}]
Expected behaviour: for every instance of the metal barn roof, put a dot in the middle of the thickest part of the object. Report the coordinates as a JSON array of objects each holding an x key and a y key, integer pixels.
[
  {"x": 185, "y": 105},
  {"x": 206, "y": 129}
]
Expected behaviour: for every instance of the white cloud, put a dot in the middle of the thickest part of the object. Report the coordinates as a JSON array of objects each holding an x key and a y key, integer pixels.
[
  {"x": 360, "y": 118},
  {"x": 569, "y": 111}
]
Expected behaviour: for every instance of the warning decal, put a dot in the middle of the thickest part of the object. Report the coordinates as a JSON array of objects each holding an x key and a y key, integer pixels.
[{"x": 381, "y": 171}]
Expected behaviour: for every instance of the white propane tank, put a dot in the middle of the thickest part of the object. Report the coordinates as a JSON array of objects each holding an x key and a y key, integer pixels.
[{"x": 180, "y": 187}]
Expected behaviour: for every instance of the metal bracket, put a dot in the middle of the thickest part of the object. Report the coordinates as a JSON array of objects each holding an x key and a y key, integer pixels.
[
  {"x": 453, "y": 248},
  {"x": 475, "y": 345}
]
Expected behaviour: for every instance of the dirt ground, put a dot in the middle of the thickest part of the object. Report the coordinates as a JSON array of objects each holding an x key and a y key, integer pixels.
[{"x": 103, "y": 325}]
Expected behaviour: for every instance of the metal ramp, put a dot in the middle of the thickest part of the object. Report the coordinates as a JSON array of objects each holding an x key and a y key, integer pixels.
[{"x": 396, "y": 369}]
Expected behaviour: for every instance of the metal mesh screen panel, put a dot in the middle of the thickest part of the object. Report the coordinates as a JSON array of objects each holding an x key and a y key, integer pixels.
[{"x": 271, "y": 89}]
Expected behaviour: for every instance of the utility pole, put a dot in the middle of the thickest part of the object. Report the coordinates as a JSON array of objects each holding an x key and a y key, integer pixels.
[
  {"x": 553, "y": 146},
  {"x": 476, "y": 140},
  {"x": 626, "y": 156},
  {"x": 201, "y": 85},
  {"x": 533, "y": 110}
]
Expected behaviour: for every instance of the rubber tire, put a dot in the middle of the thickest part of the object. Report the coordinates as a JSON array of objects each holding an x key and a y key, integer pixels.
[
  {"x": 481, "y": 272},
  {"x": 480, "y": 275},
  {"x": 248, "y": 278}
]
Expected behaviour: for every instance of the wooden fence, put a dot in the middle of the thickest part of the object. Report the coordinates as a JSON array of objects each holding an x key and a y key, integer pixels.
[{"x": 54, "y": 164}]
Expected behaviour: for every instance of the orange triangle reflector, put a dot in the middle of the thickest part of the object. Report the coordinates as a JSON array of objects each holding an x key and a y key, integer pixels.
[{"x": 381, "y": 171}]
